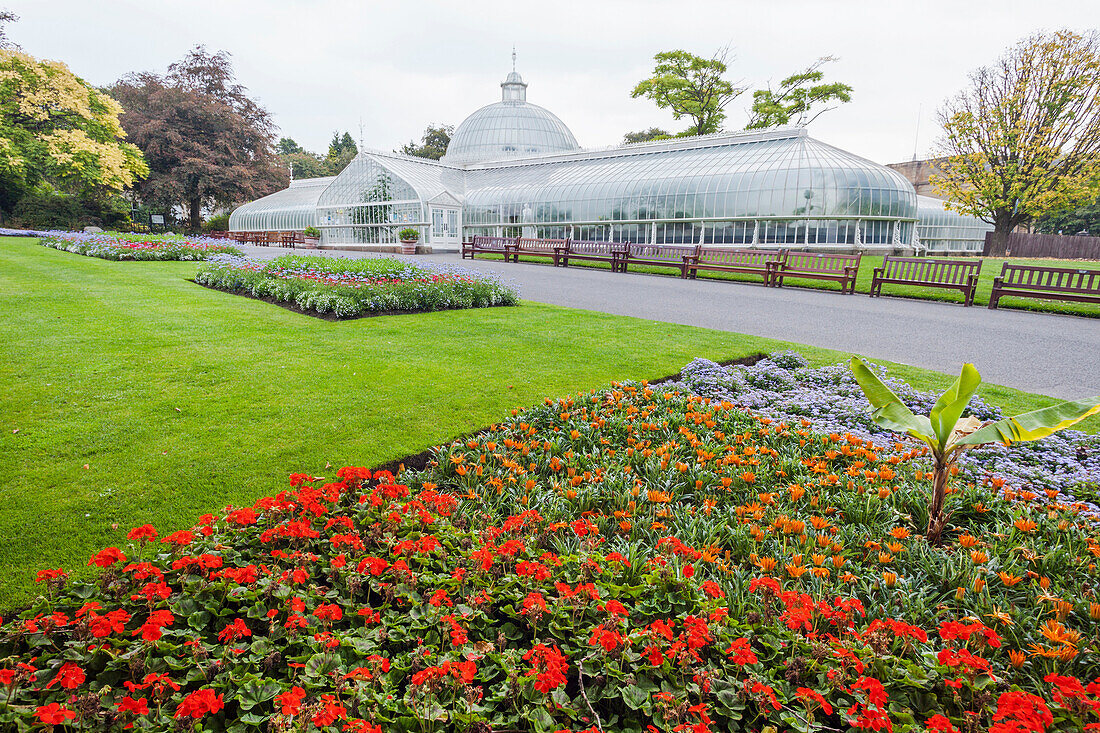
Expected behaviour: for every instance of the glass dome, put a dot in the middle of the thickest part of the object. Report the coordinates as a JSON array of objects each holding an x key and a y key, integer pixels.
[{"x": 510, "y": 128}]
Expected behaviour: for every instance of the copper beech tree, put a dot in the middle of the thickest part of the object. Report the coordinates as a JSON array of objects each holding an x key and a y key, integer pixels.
[
  {"x": 207, "y": 143},
  {"x": 1024, "y": 139}
]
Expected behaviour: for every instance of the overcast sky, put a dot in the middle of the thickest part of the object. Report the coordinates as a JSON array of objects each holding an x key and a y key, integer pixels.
[{"x": 394, "y": 67}]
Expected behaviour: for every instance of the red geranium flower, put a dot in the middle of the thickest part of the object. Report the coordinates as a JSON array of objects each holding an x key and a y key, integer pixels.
[{"x": 53, "y": 714}]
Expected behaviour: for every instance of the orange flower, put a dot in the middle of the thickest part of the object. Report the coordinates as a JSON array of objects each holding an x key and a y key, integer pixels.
[
  {"x": 1009, "y": 579},
  {"x": 1017, "y": 658},
  {"x": 978, "y": 585},
  {"x": 968, "y": 540},
  {"x": 767, "y": 564},
  {"x": 1094, "y": 611},
  {"x": 749, "y": 477},
  {"x": 1025, "y": 525},
  {"x": 795, "y": 571},
  {"x": 890, "y": 579},
  {"x": 1056, "y": 633},
  {"x": 899, "y": 533},
  {"x": 978, "y": 557}
]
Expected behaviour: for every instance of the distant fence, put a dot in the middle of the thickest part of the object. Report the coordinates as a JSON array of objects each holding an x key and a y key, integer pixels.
[{"x": 1056, "y": 246}]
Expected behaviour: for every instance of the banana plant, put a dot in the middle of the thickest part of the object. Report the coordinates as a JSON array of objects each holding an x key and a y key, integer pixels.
[{"x": 946, "y": 432}]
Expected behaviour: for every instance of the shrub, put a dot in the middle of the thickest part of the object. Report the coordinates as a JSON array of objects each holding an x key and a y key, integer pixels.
[
  {"x": 311, "y": 232},
  {"x": 217, "y": 223},
  {"x": 408, "y": 234}
]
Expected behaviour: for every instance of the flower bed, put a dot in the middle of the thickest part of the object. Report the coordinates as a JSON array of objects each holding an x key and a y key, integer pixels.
[
  {"x": 115, "y": 246},
  {"x": 621, "y": 559},
  {"x": 783, "y": 387},
  {"x": 347, "y": 288}
]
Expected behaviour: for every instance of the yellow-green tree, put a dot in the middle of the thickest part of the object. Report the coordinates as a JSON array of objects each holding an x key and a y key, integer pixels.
[
  {"x": 1024, "y": 139},
  {"x": 57, "y": 130}
]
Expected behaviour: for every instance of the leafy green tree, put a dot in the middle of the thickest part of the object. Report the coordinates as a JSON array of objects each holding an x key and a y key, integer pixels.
[
  {"x": 60, "y": 134},
  {"x": 341, "y": 151},
  {"x": 209, "y": 145},
  {"x": 1023, "y": 140},
  {"x": 433, "y": 143},
  {"x": 1084, "y": 218},
  {"x": 653, "y": 133},
  {"x": 287, "y": 146},
  {"x": 800, "y": 98},
  {"x": 692, "y": 87},
  {"x": 946, "y": 432}
]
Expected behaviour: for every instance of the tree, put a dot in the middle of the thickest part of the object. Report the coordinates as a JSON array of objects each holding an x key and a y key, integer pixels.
[
  {"x": 1024, "y": 139},
  {"x": 287, "y": 146},
  {"x": 801, "y": 98},
  {"x": 653, "y": 133},
  {"x": 341, "y": 151},
  {"x": 1083, "y": 218},
  {"x": 946, "y": 432},
  {"x": 433, "y": 143},
  {"x": 208, "y": 144},
  {"x": 6, "y": 16},
  {"x": 691, "y": 86},
  {"x": 58, "y": 133}
]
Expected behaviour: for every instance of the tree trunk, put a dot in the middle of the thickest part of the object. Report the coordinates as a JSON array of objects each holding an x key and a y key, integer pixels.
[
  {"x": 1003, "y": 224},
  {"x": 196, "y": 215}
]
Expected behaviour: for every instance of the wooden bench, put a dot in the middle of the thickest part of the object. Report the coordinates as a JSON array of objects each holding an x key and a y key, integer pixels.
[
  {"x": 961, "y": 275},
  {"x": 840, "y": 268},
  {"x": 1051, "y": 283},
  {"x": 589, "y": 251},
  {"x": 290, "y": 239},
  {"x": 762, "y": 262},
  {"x": 539, "y": 248},
  {"x": 659, "y": 255},
  {"x": 490, "y": 246}
]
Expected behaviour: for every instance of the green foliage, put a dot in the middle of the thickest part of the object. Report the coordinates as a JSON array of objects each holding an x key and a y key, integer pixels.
[
  {"x": 311, "y": 232},
  {"x": 217, "y": 223},
  {"x": 690, "y": 86},
  {"x": 433, "y": 143},
  {"x": 1023, "y": 140},
  {"x": 946, "y": 432},
  {"x": 287, "y": 146},
  {"x": 408, "y": 234},
  {"x": 800, "y": 99},
  {"x": 653, "y": 133},
  {"x": 59, "y": 132},
  {"x": 1083, "y": 218},
  {"x": 47, "y": 209},
  {"x": 341, "y": 151}
]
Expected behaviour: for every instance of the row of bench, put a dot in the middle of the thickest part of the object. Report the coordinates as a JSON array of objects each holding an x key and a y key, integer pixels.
[
  {"x": 263, "y": 239},
  {"x": 1029, "y": 281}
]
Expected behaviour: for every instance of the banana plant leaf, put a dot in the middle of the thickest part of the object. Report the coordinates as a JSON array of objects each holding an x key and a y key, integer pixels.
[
  {"x": 1034, "y": 425},
  {"x": 949, "y": 407},
  {"x": 890, "y": 412}
]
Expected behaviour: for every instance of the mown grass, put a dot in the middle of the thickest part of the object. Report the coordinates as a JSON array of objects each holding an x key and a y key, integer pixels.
[
  {"x": 131, "y": 395},
  {"x": 991, "y": 268}
]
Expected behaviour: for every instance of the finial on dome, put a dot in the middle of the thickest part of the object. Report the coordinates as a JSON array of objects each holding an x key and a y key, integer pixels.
[{"x": 513, "y": 88}]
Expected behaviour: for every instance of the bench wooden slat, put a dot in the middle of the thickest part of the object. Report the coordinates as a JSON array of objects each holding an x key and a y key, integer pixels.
[
  {"x": 746, "y": 261},
  {"x": 961, "y": 275},
  {"x": 490, "y": 245},
  {"x": 840, "y": 268},
  {"x": 1050, "y": 283},
  {"x": 660, "y": 255}
]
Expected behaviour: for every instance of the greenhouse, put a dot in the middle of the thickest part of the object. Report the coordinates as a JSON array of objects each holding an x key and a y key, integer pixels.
[
  {"x": 514, "y": 169},
  {"x": 940, "y": 230},
  {"x": 290, "y": 210}
]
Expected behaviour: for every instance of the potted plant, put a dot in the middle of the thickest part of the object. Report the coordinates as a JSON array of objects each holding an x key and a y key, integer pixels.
[
  {"x": 312, "y": 236},
  {"x": 408, "y": 237}
]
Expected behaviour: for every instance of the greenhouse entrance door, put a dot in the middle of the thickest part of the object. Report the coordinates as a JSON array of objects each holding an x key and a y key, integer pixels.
[{"x": 446, "y": 226}]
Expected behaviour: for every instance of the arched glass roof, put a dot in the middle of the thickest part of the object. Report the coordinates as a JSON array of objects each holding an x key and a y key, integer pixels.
[
  {"x": 510, "y": 128},
  {"x": 775, "y": 174},
  {"x": 290, "y": 210}
]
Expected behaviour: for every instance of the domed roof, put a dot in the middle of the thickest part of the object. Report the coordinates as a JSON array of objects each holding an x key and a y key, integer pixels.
[{"x": 510, "y": 128}]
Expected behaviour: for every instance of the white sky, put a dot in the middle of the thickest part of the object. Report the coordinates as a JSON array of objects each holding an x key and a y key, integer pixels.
[{"x": 397, "y": 66}]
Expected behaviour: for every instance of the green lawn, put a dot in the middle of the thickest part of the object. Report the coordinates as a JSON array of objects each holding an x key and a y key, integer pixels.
[
  {"x": 990, "y": 270},
  {"x": 129, "y": 394}
]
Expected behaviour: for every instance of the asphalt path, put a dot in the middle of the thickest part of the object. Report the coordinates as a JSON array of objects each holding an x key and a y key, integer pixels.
[{"x": 1042, "y": 353}]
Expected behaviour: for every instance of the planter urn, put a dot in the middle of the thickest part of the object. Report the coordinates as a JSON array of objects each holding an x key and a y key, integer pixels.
[{"x": 408, "y": 246}]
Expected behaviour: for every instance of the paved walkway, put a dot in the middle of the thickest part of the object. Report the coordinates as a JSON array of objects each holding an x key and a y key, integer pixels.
[{"x": 1042, "y": 353}]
